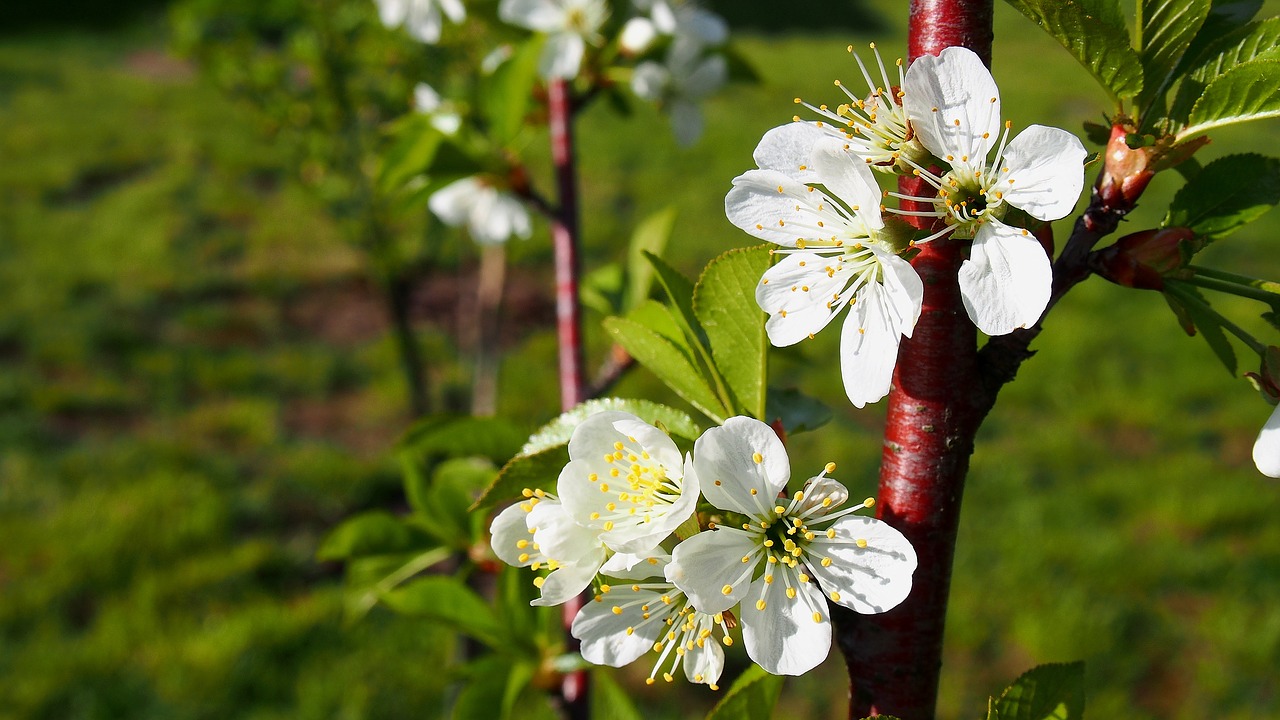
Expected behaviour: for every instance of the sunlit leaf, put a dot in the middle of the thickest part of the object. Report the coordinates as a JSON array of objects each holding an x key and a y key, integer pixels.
[
  {"x": 534, "y": 471},
  {"x": 651, "y": 237},
  {"x": 668, "y": 362},
  {"x": 508, "y": 92},
  {"x": 1255, "y": 41},
  {"x": 724, "y": 302},
  {"x": 462, "y": 436},
  {"x": 446, "y": 600},
  {"x": 752, "y": 697},
  {"x": 558, "y": 431},
  {"x": 1047, "y": 692},
  {"x": 1168, "y": 26},
  {"x": 376, "y": 532},
  {"x": 1093, "y": 32},
  {"x": 1225, "y": 195},
  {"x": 1250, "y": 91}
]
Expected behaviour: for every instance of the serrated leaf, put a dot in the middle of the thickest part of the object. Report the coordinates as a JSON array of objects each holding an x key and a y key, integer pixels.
[
  {"x": 752, "y": 697},
  {"x": 446, "y": 600},
  {"x": 798, "y": 412},
  {"x": 1250, "y": 91},
  {"x": 462, "y": 436},
  {"x": 1047, "y": 692},
  {"x": 508, "y": 92},
  {"x": 1255, "y": 41},
  {"x": 668, "y": 363},
  {"x": 650, "y": 237},
  {"x": 1168, "y": 26},
  {"x": 372, "y": 533},
  {"x": 724, "y": 302},
  {"x": 658, "y": 318},
  {"x": 1225, "y": 195},
  {"x": 558, "y": 431},
  {"x": 538, "y": 470},
  {"x": 1206, "y": 321},
  {"x": 1225, "y": 16},
  {"x": 1093, "y": 32},
  {"x": 679, "y": 291}
]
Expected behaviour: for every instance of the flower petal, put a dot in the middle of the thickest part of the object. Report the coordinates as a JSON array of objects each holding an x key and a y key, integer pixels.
[
  {"x": 637, "y": 35},
  {"x": 741, "y": 466},
  {"x": 764, "y": 202},
  {"x": 392, "y": 12},
  {"x": 540, "y": 15},
  {"x": 848, "y": 177},
  {"x": 569, "y": 580},
  {"x": 868, "y": 347},
  {"x": 800, "y": 296},
  {"x": 1266, "y": 450},
  {"x": 558, "y": 537},
  {"x": 604, "y": 631},
  {"x": 783, "y": 635},
  {"x": 628, "y": 566},
  {"x": 704, "y": 662},
  {"x": 788, "y": 149},
  {"x": 704, "y": 565},
  {"x": 903, "y": 290},
  {"x": 869, "y": 579},
  {"x": 424, "y": 24},
  {"x": 456, "y": 11},
  {"x": 1046, "y": 172},
  {"x": 508, "y": 531},
  {"x": 1005, "y": 283},
  {"x": 952, "y": 101},
  {"x": 452, "y": 203},
  {"x": 562, "y": 56}
]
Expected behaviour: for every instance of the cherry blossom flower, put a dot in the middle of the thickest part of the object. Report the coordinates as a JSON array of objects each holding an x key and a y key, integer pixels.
[
  {"x": 683, "y": 20},
  {"x": 537, "y": 533},
  {"x": 817, "y": 200},
  {"x": 491, "y": 215},
  {"x": 789, "y": 556},
  {"x": 1266, "y": 450},
  {"x": 626, "y": 482},
  {"x": 685, "y": 78},
  {"x": 443, "y": 116},
  {"x": 421, "y": 17},
  {"x": 646, "y": 612},
  {"x": 569, "y": 24},
  {"x": 953, "y": 106}
]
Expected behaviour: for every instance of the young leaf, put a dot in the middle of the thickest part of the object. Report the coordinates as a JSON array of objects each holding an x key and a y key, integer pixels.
[
  {"x": 668, "y": 363},
  {"x": 446, "y": 600},
  {"x": 650, "y": 238},
  {"x": 1093, "y": 32},
  {"x": 508, "y": 91},
  {"x": 537, "y": 470},
  {"x": 464, "y": 436},
  {"x": 1168, "y": 26},
  {"x": 752, "y": 697},
  {"x": 410, "y": 154},
  {"x": 724, "y": 302},
  {"x": 1225, "y": 195},
  {"x": 679, "y": 291},
  {"x": 658, "y": 318},
  {"x": 1255, "y": 41},
  {"x": 1225, "y": 17},
  {"x": 558, "y": 431},
  {"x": 1250, "y": 91},
  {"x": 1047, "y": 692},
  {"x": 372, "y": 533}
]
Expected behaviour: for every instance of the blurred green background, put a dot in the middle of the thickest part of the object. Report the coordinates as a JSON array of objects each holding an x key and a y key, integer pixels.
[{"x": 197, "y": 382}]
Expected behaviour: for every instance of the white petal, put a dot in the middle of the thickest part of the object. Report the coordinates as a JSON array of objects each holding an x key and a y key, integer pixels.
[
  {"x": 704, "y": 565},
  {"x": 454, "y": 9},
  {"x": 868, "y": 580},
  {"x": 425, "y": 98},
  {"x": 1047, "y": 167},
  {"x": 765, "y": 202},
  {"x": 569, "y": 580},
  {"x": 796, "y": 293},
  {"x": 509, "y": 529},
  {"x": 627, "y": 566},
  {"x": 903, "y": 290},
  {"x": 664, "y": 17},
  {"x": 540, "y": 15},
  {"x": 558, "y": 536},
  {"x": 1005, "y": 283},
  {"x": 452, "y": 203},
  {"x": 868, "y": 347},
  {"x": 742, "y": 466},
  {"x": 425, "y": 24},
  {"x": 848, "y": 177},
  {"x": 562, "y": 56},
  {"x": 708, "y": 27},
  {"x": 603, "y": 632},
  {"x": 392, "y": 12},
  {"x": 789, "y": 147},
  {"x": 705, "y": 661},
  {"x": 706, "y": 77},
  {"x": 949, "y": 87},
  {"x": 637, "y": 35},
  {"x": 649, "y": 80},
  {"x": 658, "y": 444},
  {"x": 1266, "y": 451},
  {"x": 783, "y": 637}
]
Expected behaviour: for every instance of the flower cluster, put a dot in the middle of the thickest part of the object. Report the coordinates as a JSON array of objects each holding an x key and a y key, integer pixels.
[
  {"x": 779, "y": 560},
  {"x": 814, "y": 194}
]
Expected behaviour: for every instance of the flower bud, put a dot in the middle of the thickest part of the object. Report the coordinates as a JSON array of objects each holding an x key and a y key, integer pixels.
[
  {"x": 1125, "y": 172},
  {"x": 1143, "y": 259}
]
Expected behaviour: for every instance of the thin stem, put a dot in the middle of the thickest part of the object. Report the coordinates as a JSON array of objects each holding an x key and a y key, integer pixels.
[
  {"x": 1173, "y": 287},
  {"x": 1271, "y": 288},
  {"x": 492, "y": 275},
  {"x": 574, "y": 688},
  {"x": 1230, "y": 288}
]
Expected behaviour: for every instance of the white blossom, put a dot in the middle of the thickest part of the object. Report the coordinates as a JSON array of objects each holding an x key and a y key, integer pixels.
[
  {"x": 817, "y": 200},
  {"x": 685, "y": 78},
  {"x": 537, "y": 533},
  {"x": 442, "y": 115},
  {"x": 1266, "y": 450},
  {"x": 491, "y": 215},
  {"x": 683, "y": 20},
  {"x": 790, "y": 556},
  {"x": 421, "y": 17},
  {"x": 570, "y": 26}
]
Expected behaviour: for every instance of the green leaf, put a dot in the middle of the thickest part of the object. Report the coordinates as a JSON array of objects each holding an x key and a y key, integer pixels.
[
  {"x": 1250, "y": 91},
  {"x": 1225, "y": 195},
  {"x": 508, "y": 92},
  {"x": 1254, "y": 41},
  {"x": 1225, "y": 17},
  {"x": 410, "y": 153},
  {"x": 666, "y": 361},
  {"x": 658, "y": 318},
  {"x": 602, "y": 289},
  {"x": 609, "y": 701},
  {"x": 680, "y": 292},
  {"x": 1192, "y": 308},
  {"x": 1168, "y": 26},
  {"x": 369, "y": 577},
  {"x": 724, "y": 302},
  {"x": 462, "y": 436},
  {"x": 798, "y": 412},
  {"x": 486, "y": 683},
  {"x": 558, "y": 431},
  {"x": 1047, "y": 692},
  {"x": 372, "y": 533},
  {"x": 515, "y": 590},
  {"x": 752, "y": 697},
  {"x": 650, "y": 238},
  {"x": 1093, "y": 32},
  {"x": 446, "y": 600},
  {"x": 538, "y": 470},
  {"x": 445, "y": 504}
]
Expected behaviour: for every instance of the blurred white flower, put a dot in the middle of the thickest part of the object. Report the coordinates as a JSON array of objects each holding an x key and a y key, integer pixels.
[
  {"x": 790, "y": 556},
  {"x": 443, "y": 118},
  {"x": 679, "y": 19},
  {"x": 420, "y": 17},
  {"x": 1266, "y": 450},
  {"x": 569, "y": 24},
  {"x": 489, "y": 214},
  {"x": 679, "y": 84}
]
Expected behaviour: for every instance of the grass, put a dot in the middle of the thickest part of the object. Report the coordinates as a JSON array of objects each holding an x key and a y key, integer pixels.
[{"x": 196, "y": 383}]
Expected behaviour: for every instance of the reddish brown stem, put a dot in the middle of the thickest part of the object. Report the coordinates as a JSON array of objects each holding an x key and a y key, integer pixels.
[
  {"x": 894, "y": 659},
  {"x": 574, "y": 689}
]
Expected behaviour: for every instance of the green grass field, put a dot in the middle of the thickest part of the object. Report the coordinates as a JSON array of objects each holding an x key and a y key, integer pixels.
[{"x": 196, "y": 383}]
